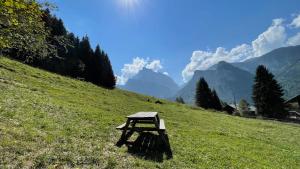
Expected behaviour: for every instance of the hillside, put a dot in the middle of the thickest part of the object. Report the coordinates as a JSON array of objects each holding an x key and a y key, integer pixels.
[
  {"x": 284, "y": 63},
  {"x": 230, "y": 82},
  {"x": 152, "y": 83},
  {"x": 276, "y": 60},
  {"x": 47, "y": 120},
  {"x": 289, "y": 78}
]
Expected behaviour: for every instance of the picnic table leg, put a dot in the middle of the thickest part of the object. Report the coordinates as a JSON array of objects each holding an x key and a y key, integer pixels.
[
  {"x": 163, "y": 137},
  {"x": 123, "y": 137},
  {"x": 161, "y": 133},
  {"x": 131, "y": 131}
]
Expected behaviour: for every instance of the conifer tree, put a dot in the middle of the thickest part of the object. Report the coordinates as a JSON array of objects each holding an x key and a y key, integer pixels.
[
  {"x": 102, "y": 71},
  {"x": 180, "y": 100},
  {"x": 267, "y": 94},
  {"x": 99, "y": 66},
  {"x": 86, "y": 55},
  {"x": 109, "y": 79},
  {"x": 203, "y": 94},
  {"x": 73, "y": 65},
  {"x": 216, "y": 103}
]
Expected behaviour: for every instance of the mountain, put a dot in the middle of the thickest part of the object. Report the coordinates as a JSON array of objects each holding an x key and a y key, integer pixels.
[
  {"x": 289, "y": 78},
  {"x": 236, "y": 79},
  {"x": 276, "y": 61},
  {"x": 284, "y": 63},
  {"x": 152, "y": 83},
  {"x": 229, "y": 81}
]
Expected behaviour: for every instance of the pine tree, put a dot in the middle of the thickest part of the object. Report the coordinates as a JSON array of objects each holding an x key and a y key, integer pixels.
[
  {"x": 203, "y": 94},
  {"x": 267, "y": 94},
  {"x": 86, "y": 55},
  {"x": 216, "y": 103},
  {"x": 58, "y": 27},
  {"x": 109, "y": 79},
  {"x": 180, "y": 100},
  {"x": 99, "y": 66},
  {"x": 103, "y": 73},
  {"x": 73, "y": 64},
  {"x": 58, "y": 40}
]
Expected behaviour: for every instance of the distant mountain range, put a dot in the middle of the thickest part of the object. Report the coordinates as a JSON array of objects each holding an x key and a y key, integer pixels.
[
  {"x": 152, "y": 83},
  {"x": 284, "y": 63},
  {"x": 231, "y": 83},
  {"x": 276, "y": 61},
  {"x": 234, "y": 81}
]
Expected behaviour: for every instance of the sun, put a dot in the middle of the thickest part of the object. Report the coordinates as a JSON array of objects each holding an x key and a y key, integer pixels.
[{"x": 129, "y": 4}]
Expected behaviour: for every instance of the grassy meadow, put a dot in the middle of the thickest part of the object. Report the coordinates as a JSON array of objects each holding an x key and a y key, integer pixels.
[{"x": 50, "y": 121}]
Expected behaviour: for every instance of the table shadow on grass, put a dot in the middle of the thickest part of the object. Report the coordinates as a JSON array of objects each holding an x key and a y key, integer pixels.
[{"x": 150, "y": 146}]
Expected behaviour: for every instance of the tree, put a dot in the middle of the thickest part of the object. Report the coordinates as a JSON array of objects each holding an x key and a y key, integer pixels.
[
  {"x": 108, "y": 77},
  {"x": 22, "y": 31},
  {"x": 267, "y": 95},
  {"x": 216, "y": 103},
  {"x": 243, "y": 107},
  {"x": 74, "y": 67},
  {"x": 180, "y": 100},
  {"x": 86, "y": 55},
  {"x": 203, "y": 94},
  {"x": 30, "y": 33},
  {"x": 59, "y": 40},
  {"x": 99, "y": 72}
]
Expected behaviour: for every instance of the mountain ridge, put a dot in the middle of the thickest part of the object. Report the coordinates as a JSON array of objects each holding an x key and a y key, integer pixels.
[
  {"x": 283, "y": 62},
  {"x": 230, "y": 82},
  {"x": 152, "y": 83},
  {"x": 275, "y": 60}
]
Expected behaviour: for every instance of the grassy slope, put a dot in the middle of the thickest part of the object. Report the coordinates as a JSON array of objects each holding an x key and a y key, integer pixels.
[{"x": 50, "y": 120}]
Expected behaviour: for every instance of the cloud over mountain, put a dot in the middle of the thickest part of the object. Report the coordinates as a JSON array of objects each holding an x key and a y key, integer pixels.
[
  {"x": 138, "y": 64},
  {"x": 296, "y": 22},
  {"x": 274, "y": 37}
]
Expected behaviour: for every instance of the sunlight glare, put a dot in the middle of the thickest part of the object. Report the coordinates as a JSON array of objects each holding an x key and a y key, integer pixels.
[{"x": 129, "y": 4}]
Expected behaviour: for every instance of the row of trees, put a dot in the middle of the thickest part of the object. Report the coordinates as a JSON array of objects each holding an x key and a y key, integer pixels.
[
  {"x": 205, "y": 97},
  {"x": 34, "y": 36},
  {"x": 267, "y": 96}
]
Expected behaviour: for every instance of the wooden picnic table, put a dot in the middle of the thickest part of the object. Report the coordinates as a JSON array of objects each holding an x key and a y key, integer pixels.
[{"x": 130, "y": 127}]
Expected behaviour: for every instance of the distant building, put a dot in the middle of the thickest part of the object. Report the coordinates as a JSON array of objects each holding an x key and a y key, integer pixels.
[
  {"x": 251, "y": 112},
  {"x": 294, "y": 100},
  {"x": 228, "y": 108},
  {"x": 293, "y": 106}
]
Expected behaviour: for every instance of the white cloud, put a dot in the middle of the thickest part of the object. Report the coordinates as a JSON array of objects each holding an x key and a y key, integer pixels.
[
  {"x": 274, "y": 37},
  {"x": 138, "y": 64},
  {"x": 155, "y": 65},
  {"x": 166, "y": 73},
  {"x": 296, "y": 22},
  {"x": 294, "y": 40},
  {"x": 202, "y": 60}
]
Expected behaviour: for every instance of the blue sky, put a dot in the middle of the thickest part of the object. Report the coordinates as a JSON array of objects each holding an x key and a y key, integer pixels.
[{"x": 170, "y": 31}]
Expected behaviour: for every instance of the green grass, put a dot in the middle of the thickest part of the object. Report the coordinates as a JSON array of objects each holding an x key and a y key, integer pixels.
[{"x": 49, "y": 121}]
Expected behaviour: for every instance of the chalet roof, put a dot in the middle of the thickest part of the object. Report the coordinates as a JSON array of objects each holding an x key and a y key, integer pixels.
[
  {"x": 227, "y": 106},
  {"x": 294, "y": 99}
]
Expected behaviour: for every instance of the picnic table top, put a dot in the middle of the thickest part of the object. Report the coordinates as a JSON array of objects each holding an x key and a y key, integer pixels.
[{"x": 143, "y": 115}]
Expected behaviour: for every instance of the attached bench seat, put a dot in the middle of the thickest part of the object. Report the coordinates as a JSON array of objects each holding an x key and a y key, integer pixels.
[
  {"x": 161, "y": 126},
  {"x": 121, "y": 127}
]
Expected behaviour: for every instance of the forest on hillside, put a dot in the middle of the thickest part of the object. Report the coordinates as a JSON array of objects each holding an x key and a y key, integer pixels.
[{"x": 30, "y": 33}]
